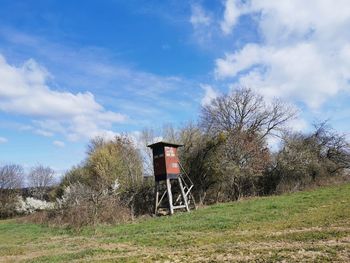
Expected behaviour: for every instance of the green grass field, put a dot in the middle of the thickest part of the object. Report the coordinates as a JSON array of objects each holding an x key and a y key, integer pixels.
[{"x": 311, "y": 226}]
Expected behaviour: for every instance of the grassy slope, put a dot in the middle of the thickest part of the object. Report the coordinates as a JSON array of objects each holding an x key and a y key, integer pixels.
[{"x": 305, "y": 226}]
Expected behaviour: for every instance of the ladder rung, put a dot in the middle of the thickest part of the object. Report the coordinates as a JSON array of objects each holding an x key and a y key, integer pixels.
[
  {"x": 189, "y": 190},
  {"x": 179, "y": 206}
]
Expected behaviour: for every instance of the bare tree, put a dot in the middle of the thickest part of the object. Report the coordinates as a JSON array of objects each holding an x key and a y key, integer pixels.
[
  {"x": 41, "y": 177},
  {"x": 11, "y": 176},
  {"x": 331, "y": 146},
  {"x": 244, "y": 110},
  {"x": 240, "y": 123},
  {"x": 146, "y": 138},
  {"x": 198, "y": 158},
  {"x": 11, "y": 179},
  {"x": 169, "y": 133}
]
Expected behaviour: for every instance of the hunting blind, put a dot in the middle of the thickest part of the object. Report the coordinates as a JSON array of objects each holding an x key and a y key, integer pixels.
[{"x": 169, "y": 176}]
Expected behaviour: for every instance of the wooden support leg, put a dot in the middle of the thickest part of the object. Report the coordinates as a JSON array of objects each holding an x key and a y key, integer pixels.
[
  {"x": 194, "y": 202},
  {"x": 156, "y": 192},
  {"x": 170, "y": 196},
  {"x": 184, "y": 197}
]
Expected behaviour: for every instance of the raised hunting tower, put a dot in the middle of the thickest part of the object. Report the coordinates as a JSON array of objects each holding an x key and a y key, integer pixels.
[{"x": 167, "y": 169}]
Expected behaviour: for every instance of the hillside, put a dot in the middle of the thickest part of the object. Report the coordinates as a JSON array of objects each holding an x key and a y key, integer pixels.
[{"x": 304, "y": 226}]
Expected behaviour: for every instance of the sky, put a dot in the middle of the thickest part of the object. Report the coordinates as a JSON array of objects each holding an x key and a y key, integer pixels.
[{"x": 73, "y": 70}]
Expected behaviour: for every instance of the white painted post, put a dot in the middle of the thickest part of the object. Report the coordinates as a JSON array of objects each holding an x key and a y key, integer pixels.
[{"x": 170, "y": 196}]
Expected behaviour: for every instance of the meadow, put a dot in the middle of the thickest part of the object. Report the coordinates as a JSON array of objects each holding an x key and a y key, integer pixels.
[{"x": 309, "y": 226}]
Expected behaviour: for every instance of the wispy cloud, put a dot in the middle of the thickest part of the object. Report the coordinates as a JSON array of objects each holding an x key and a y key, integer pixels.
[
  {"x": 209, "y": 94},
  {"x": 58, "y": 144},
  {"x": 199, "y": 16},
  {"x": 233, "y": 10},
  {"x": 3, "y": 140},
  {"x": 203, "y": 24},
  {"x": 97, "y": 82}
]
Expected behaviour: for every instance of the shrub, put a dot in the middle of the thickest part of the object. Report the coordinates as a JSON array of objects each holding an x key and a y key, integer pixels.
[
  {"x": 307, "y": 159},
  {"x": 106, "y": 188},
  {"x": 11, "y": 179},
  {"x": 30, "y": 205},
  {"x": 139, "y": 198},
  {"x": 8, "y": 201},
  {"x": 114, "y": 160},
  {"x": 81, "y": 205}
]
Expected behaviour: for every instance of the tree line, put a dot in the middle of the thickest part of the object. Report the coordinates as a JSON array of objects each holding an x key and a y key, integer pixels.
[{"x": 225, "y": 154}]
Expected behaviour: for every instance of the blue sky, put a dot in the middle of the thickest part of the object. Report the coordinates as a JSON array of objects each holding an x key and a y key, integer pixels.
[{"x": 71, "y": 70}]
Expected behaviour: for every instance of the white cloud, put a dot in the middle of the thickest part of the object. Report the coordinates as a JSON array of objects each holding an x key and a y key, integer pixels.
[
  {"x": 43, "y": 132},
  {"x": 232, "y": 64},
  {"x": 202, "y": 23},
  {"x": 285, "y": 20},
  {"x": 304, "y": 55},
  {"x": 3, "y": 140},
  {"x": 58, "y": 143},
  {"x": 233, "y": 10},
  {"x": 300, "y": 71},
  {"x": 96, "y": 70},
  {"x": 209, "y": 94},
  {"x": 25, "y": 90},
  {"x": 199, "y": 16}
]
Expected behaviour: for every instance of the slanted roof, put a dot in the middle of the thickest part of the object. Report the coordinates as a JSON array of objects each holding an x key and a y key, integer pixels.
[{"x": 162, "y": 143}]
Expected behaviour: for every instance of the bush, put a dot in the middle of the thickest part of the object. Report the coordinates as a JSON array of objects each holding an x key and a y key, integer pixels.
[
  {"x": 114, "y": 160},
  {"x": 8, "y": 201},
  {"x": 30, "y": 205},
  {"x": 11, "y": 179},
  {"x": 140, "y": 198},
  {"x": 106, "y": 188},
  {"x": 82, "y": 205},
  {"x": 308, "y": 159},
  {"x": 226, "y": 166}
]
